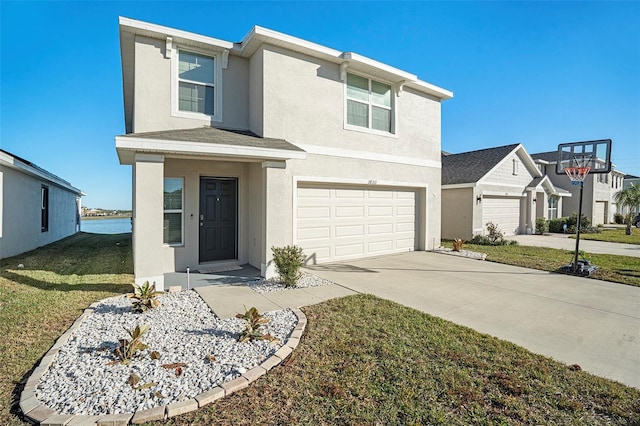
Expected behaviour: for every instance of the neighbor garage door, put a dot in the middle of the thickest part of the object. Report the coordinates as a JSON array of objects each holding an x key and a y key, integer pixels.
[
  {"x": 336, "y": 223},
  {"x": 598, "y": 213},
  {"x": 502, "y": 211}
]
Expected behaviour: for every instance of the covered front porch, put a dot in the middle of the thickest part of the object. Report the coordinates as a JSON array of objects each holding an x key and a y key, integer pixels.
[{"x": 200, "y": 199}]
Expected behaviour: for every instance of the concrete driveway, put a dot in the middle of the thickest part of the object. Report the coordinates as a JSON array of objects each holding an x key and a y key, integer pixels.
[
  {"x": 562, "y": 241},
  {"x": 592, "y": 323}
]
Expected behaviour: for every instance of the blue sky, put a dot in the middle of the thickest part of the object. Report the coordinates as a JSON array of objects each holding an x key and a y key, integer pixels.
[{"x": 540, "y": 73}]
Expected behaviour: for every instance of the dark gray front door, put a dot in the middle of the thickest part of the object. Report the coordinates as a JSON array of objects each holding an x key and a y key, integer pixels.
[{"x": 218, "y": 205}]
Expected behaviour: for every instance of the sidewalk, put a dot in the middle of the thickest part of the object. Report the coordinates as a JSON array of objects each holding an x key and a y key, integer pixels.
[{"x": 562, "y": 241}]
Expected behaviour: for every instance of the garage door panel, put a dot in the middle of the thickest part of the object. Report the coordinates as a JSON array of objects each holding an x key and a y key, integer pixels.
[
  {"x": 314, "y": 233},
  {"x": 349, "y": 211},
  {"x": 349, "y": 231},
  {"x": 343, "y": 222},
  {"x": 380, "y": 246},
  {"x": 381, "y": 211},
  {"x": 314, "y": 212},
  {"x": 342, "y": 250},
  {"x": 380, "y": 228}
]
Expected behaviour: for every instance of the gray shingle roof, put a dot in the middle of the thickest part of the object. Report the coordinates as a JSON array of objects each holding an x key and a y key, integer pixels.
[
  {"x": 218, "y": 136},
  {"x": 469, "y": 167},
  {"x": 550, "y": 156}
]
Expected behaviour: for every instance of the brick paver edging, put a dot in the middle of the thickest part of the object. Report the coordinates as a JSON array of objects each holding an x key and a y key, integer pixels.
[{"x": 45, "y": 416}]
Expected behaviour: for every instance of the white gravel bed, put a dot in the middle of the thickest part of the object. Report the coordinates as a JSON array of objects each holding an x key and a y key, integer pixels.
[
  {"x": 461, "y": 253},
  {"x": 267, "y": 286},
  {"x": 182, "y": 329}
]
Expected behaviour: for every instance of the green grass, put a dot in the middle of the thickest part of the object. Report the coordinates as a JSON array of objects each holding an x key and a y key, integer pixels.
[
  {"x": 619, "y": 269},
  {"x": 362, "y": 360},
  {"x": 368, "y": 361},
  {"x": 614, "y": 236},
  {"x": 38, "y": 303}
]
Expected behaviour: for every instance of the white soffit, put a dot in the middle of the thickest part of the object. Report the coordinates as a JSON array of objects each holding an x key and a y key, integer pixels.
[{"x": 14, "y": 163}]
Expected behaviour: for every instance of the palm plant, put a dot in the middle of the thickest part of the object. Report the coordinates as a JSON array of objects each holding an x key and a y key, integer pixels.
[{"x": 629, "y": 197}]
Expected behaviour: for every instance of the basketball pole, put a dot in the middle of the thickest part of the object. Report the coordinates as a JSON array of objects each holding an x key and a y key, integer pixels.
[{"x": 578, "y": 226}]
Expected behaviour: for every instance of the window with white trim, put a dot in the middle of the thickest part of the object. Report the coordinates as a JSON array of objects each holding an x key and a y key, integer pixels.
[
  {"x": 552, "y": 210},
  {"x": 515, "y": 167},
  {"x": 369, "y": 104},
  {"x": 173, "y": 211},
  {"x": 197, "y": 83}
]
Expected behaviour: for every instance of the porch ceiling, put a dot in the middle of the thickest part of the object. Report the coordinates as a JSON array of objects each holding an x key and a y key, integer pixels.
[{"x": 206, "y": 142}]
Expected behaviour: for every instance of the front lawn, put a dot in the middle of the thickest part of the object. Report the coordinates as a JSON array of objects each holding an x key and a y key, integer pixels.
[
  {"x": 40, "y": 301},
  {"x": 368, "y": 361},
  {"x": 362, "y": 360},
  {"x": 613, "y": 236},
  {"x": 619, "y": 269}
]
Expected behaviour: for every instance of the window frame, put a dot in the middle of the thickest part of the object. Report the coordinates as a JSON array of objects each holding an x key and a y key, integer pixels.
[
  {"x": 554, "y": 209},
  {"x": 370, "y": 105},
  {"x": 44, "y": 208},
  {"x": 217, "y": 84},
  {"x": 181, "y": 211}
]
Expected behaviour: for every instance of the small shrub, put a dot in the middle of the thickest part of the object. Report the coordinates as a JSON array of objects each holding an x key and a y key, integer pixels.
[
  {"x": 542, "y": 226},
  {"x": 252, "y": 330},
  {"x": 127, "y": 349},
  {"x": 495, "y": 235},
  {"x": 618, "y": 218},
  {"x": 145, "y": 296},
  {"x": 556, "y": 225},
  {"x": 288, "y": 261},
  {"x": 457, "y": 244},
  {"x": 573, "y": 221},
  {"x": 481, "y": 240}
]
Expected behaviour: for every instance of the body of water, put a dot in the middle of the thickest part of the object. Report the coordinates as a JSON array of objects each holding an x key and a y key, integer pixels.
[{"x": 106, "y": 226}]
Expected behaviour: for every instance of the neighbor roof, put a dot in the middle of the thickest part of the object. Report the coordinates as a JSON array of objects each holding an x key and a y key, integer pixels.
[
  {"x": 206, "y": 141},
  {"x": 469, "y": 167},
  {"x": 25, "y": 166}
]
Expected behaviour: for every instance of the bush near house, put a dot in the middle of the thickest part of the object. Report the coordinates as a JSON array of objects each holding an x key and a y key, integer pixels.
[
  {"x": 557, "y": 225},
  {"x": 542, "y": 226},
  {"x": 288, "y": 261},
  {"x": 494, "y": 237},
  {"x": 618, "y": 218}
]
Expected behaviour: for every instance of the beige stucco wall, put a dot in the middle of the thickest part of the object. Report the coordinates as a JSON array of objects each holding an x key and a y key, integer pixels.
[
  {"x": 457, "y": 213},
  {"x": 304, "y": 104},
  {"x": 20, "y": 230},
  {"x": 152, "y": 106}
]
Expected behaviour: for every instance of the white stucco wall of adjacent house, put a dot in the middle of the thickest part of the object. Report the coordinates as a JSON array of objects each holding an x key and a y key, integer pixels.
[{"x": 20, "y": 210}]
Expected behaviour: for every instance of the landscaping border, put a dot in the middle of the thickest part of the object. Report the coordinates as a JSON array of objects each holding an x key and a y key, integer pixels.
[{"x": 36, "y": 412}]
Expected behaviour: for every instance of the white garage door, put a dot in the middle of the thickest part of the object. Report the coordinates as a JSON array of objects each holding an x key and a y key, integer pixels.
[
  {"x": 598, "y": 213},
  {"x": 502, "y": 211},
  {"x": 336, "y": 223}
]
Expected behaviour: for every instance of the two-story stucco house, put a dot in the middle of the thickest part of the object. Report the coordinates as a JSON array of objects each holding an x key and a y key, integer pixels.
[
  {"x": 36, "y": 206},
  {"x": 599, "y": 191},
  {"x": 239, "y": 147}
]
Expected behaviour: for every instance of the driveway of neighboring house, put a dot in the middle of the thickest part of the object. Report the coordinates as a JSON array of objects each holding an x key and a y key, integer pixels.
[
  {"x": 592, "y": 323},
  {"x": 562, "y": 241}
]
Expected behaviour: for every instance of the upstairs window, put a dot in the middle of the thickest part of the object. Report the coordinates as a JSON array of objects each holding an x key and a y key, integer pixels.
[
  {"x": 369, "y": 104},
  {"x": 196, "y": 83}
]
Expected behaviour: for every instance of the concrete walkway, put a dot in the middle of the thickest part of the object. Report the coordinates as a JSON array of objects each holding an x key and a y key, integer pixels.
[
  {"x": 595, "y": 324},
  {"x": 226, "y": 292},
  {"x": 562, "y": 241}
]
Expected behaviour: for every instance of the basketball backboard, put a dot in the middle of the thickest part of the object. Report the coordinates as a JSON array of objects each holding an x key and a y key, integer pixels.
[{"x": 596, "y": 155}]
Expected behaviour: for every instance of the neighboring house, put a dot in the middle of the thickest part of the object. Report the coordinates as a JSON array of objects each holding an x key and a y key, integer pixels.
[
  {"x": 36, "y": 207},
  {"x": 598, "y": 203},
  {"x": 501, "y": 185},
  {"x": 628, "y": 181},
  {"x": 240, "y": 147}
]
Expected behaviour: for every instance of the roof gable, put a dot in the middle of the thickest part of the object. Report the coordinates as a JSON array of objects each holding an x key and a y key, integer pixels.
[{"x": 470, "y": 167}]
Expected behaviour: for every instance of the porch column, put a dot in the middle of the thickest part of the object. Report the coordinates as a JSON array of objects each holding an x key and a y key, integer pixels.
[
  {"x": 148, "y": 187},
  {"x": 277, "y": 215}
]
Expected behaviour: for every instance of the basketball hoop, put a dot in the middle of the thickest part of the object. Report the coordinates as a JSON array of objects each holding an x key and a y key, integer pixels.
[{"x": 577, "y": 174}]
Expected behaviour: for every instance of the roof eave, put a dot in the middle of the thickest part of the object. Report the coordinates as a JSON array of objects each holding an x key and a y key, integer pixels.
[{"x": 127, "y": 146}]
